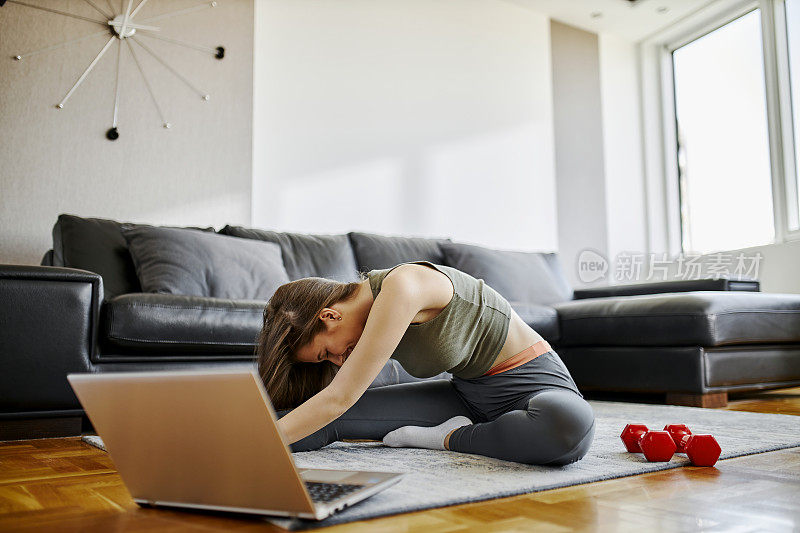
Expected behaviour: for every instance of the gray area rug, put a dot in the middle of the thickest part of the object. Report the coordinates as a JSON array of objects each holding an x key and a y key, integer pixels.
[{"x": 440, "y": 478}]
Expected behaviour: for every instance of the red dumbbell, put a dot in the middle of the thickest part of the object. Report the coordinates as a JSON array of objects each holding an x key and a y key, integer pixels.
[
  {"x": 631, "y": 435},
  {"x": 677, "y": 432},
  {"x": 655, "y": 445},
  {"x": 704, "y": 452}
]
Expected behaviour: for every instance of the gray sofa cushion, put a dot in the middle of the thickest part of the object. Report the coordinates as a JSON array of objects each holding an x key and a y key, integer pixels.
[
  {"x": 196, "y": 263},
  {"x": 304, "y": 255},
  {"x": 374, "y": 251},
  {"x": 702, "y": 318},
  {"x": 542, "y": 318},
  {"x": 139, "y": 327},
  {"x": 97, "y": 245},
  {"x": 518, "y": 276}
]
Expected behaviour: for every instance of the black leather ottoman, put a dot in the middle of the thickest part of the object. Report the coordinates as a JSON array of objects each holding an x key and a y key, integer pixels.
[{"x": 694, "y": 346}]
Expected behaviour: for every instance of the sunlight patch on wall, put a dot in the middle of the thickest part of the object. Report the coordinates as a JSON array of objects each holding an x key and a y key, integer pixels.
[
  {"x": 488, "y": 190},
  {"x": 362, "y": 197}
]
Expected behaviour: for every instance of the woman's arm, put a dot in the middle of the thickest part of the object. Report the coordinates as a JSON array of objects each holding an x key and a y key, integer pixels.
[{"x": 391, "y": 313}]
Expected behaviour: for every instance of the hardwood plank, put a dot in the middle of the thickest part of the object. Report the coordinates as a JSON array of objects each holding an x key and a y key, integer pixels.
[{"x": 780, "y": 401}]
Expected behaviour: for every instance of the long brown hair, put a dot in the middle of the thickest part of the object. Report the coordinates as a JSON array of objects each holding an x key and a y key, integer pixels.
[{"x": 290, "y": 322}]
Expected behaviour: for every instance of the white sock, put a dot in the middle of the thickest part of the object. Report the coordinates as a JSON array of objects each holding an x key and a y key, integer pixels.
[{"x": 431, "y": 438}]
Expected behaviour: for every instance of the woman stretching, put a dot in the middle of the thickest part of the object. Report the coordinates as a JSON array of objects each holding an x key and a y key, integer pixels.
[{"x": 510, "y": 397}]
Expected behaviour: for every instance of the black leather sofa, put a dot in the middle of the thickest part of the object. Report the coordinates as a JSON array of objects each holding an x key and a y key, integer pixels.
[{"x": 83, "y": 310}]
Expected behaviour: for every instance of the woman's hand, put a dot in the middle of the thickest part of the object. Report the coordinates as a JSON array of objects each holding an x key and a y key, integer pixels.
[{"x": 395, "y": 307}]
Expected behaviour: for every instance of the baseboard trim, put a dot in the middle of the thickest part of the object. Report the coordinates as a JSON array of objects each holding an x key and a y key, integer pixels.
[{"x": 40, "y": 428}]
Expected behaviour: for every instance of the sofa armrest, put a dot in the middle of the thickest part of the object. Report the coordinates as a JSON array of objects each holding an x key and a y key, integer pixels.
[
  {"x": 48, "y": 328},
  {"x": 722, "y": 284}
]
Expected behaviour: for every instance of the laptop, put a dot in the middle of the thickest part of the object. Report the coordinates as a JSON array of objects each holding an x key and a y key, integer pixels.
[{"x": 208, "y": 439}]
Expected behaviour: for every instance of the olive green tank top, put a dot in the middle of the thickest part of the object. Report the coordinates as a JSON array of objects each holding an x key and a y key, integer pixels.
[{"x": 464, "y": 338}]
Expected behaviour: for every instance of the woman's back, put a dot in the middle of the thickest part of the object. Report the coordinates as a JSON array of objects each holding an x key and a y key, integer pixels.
[{"x": 464, "y": 338}]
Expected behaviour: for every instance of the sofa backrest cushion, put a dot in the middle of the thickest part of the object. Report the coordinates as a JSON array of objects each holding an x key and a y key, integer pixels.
[
  {"x": 47, "y": 258},
  {"x": 374, "y": 251},
  {"x": 306, "y": 255},
  {"x": 198, "y": 263},
  {"x": 531, "y": 277},
  {"x": 97, "y": 245}
]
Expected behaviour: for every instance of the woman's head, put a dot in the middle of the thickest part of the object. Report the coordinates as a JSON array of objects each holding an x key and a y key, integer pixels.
[{"x": 308, "y": 332}]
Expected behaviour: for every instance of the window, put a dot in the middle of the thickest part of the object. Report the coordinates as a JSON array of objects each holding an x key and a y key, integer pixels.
[
  {"x": 729, "y": 81},
  {"x": 793, "y": 46},
  {"x": 723, "y": 143}
]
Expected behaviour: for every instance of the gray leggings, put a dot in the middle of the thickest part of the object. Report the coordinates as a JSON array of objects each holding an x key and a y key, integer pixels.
[{"x": 530, "y": 414}]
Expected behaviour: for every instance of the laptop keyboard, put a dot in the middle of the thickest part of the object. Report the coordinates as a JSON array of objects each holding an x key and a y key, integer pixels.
[{"x": 326, "y": 492}]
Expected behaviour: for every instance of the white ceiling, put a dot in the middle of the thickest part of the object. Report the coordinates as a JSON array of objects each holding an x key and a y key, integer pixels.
[{"x": 633, "y": 21}]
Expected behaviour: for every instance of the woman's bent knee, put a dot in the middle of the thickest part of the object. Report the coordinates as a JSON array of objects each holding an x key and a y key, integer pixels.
[
  {"x": 577, "y": 452},
  {"x": 569, "y": 419}
]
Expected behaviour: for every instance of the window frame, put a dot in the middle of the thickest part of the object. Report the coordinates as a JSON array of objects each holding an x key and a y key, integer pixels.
[{"x": 780, "y": 129}]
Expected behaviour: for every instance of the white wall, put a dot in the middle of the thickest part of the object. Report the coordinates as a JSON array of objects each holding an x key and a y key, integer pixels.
[
  {"x": 600, "y": 177},
  {"x": 423, "y": 117},
  {"x": 58, "y": 160},
  {"x": 622, "y": 143},
  {"x": 578, "y": 125},
  {"x": 780, "y": 266}
]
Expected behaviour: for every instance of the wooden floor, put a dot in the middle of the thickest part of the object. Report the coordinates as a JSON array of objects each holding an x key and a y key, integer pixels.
[{"x": 67, "y": 485}]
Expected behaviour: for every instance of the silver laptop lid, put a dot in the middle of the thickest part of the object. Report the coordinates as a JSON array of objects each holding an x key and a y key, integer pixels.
[{"x": 206, "y": 437}]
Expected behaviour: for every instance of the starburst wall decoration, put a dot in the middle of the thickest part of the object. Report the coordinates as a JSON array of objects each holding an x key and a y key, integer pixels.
[{"x": 123, "y": 28}]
